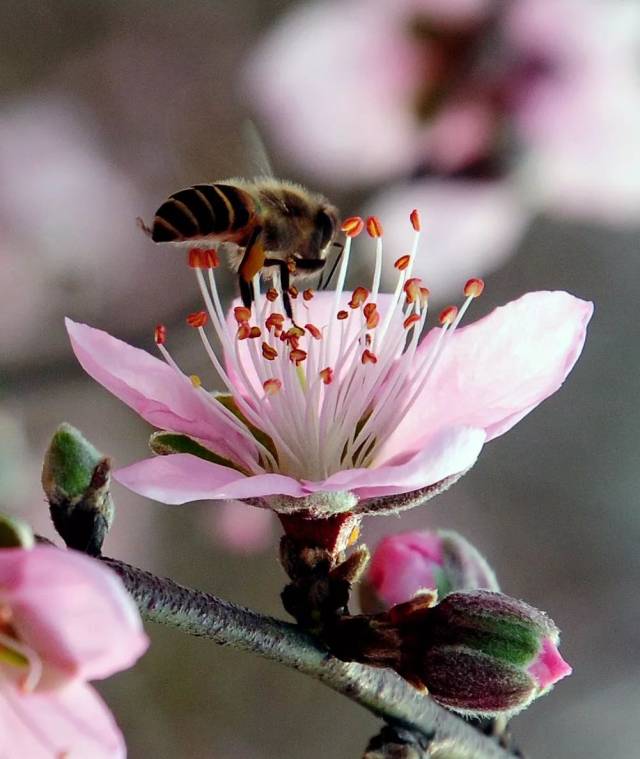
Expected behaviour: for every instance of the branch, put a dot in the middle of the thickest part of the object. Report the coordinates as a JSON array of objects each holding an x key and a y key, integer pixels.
[{"x": 380, "y": 691}]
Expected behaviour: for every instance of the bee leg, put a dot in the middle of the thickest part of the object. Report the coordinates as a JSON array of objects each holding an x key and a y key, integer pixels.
[
  {"x": 246, "y": 292},
  {"x": 252, "y": 262},
  {"x": 284, "y": 283}
]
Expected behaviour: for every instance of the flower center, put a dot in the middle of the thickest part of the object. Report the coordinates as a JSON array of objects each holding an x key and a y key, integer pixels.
[{"x": 329, "y": 386}]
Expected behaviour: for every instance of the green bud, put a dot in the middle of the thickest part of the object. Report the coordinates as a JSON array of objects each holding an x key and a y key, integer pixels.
[
  {"x": 14, "y": 533},
  {"x": 75, "y": 479}
]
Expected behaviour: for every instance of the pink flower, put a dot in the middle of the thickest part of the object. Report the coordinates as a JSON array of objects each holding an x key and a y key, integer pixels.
[
  {"x": 549, "y": 666},
  {"x": 64, "y": 620},
  {"x": 440, "y": 560},
  {"x": 345, "y": 405}
]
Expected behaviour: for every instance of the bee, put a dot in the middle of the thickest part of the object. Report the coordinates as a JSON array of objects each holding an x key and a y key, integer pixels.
[{"x": 263, "y": 225}]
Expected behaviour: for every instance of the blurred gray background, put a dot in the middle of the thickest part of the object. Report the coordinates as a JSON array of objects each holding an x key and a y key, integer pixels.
[{"x": 106, "y": 108}]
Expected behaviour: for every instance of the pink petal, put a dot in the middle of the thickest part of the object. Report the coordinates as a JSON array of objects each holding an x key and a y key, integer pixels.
[
  {"x": 180, "y": 478},
  {"x": 72, "y": 610},
  {"x": 549, "y": 667},
  {"x": 450, "y": 451},
  {"x": 152, "y": 388},
  {"x": 497, "y": 370},
  {"x": 470, "y": 229},
  {"x": 71, "y": 722}
]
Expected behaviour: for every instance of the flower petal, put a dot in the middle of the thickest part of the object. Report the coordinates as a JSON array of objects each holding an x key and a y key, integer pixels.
[
  {"x": 152, "y": 388},
  {"x": 71, "y": 722},
  {"x": 72, "y": 610},
  {"x": 449, "y": 452},
  {"x": 494, "y": 372},
  {"x": 179, "y": 478}
]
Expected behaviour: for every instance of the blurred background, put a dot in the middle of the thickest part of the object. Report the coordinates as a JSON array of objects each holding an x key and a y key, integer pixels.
[{"x": 513, "y": 127}]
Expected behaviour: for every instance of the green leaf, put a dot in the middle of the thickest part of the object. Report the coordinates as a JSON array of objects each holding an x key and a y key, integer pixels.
[{"x": 164, "y": 443}]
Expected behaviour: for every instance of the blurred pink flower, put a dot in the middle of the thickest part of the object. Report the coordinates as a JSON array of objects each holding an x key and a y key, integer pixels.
[
  {"x": 239, "y": 528},
  {"x": 68, "y": 237},
  {"x": 64, "y": 620},
  {"x": 350, "y": 407},
  {"x": 471, "y": 225}
]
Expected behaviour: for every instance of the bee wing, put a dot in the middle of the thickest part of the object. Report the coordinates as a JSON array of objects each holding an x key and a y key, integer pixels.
[{"x": 259, "y": 164}]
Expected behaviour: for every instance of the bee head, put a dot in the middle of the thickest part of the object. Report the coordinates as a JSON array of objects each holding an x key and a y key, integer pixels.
[{"x": 325, "y": 228}]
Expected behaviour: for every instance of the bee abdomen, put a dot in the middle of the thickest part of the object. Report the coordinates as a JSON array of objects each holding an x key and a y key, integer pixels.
[{"x": 201, "y": 211}]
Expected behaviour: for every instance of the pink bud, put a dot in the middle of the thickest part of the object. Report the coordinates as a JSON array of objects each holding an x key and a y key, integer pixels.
[{"x": 549, "y": 666}]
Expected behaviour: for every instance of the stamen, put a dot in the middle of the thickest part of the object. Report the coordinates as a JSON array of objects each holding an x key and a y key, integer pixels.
[
  {"x": 416, "y": 222},
  {"x": 412, "y": 289},
  {"x": 195, "y": 380},
  {"x": 371, "y": 315},
  {"x": 255, "y": 332},
  {"x": 342, "y": 315},
  {"x": 203, "y": 258},
  {"x": 297, "y": 356},
  {"x": 244, "y": 331},
  {"x": 424, "y": 296},
  {"x": 34, "y": 663},
  {"x": 293, "y": 291},
  {"x": 197, "y": 319},
  {"x": 271, "y": 386},
  {"x": 411, "y": 320},
  {"x": 307, "y": 294},
  {"x": 358, "y": 297},
  {"x": 271, "y": 294},
  {"x": 160, "y": 334},
  {"x": 313, "y": 331},
  {"x": 241, "y": 314},
  {"x": 274, "y": 322},
  {"x": 352, "y": 226},
  {"x": 327, "y": 375}
]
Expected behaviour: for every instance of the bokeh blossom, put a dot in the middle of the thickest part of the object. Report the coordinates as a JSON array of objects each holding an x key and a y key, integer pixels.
[
  {"x": 64, "y": 620},
  {"x": 346, "y": 403},
  {"x": 538, "y": 97}
]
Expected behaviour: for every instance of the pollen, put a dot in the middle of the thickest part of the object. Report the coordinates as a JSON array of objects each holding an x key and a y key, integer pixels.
[
  {"x": 403, "y": 262},
  {"x": 203, "y": 258},
  {"x": 352, "y": 226},
  {"x": 293, "y": 291},
  {"x": 448, "y": 315},
  {"x": 195, "y": 380},
  {"x": 307, "y": 294},
  {"x": 474, "y": 288},
  {"x": 342, "y": 315},
  {"x": 358, "y": 297},
  {"x": 241, "y": 314},
  {"x": 160, "y": 334},
  {"x": 297, "y": 356},
  {"x": 197, "y": 319},
  {"x": 416, "y": 222},
  {"x": 313, "y": 331},
  {"x": 368, "y": 357},
  {"x": 374, "y": 226},
  {"x": 271, "y": 386},
  {"x": 271, "y": 294},
  {"x": 326, "y": 375},
  {"x": 269, "y": 352}
]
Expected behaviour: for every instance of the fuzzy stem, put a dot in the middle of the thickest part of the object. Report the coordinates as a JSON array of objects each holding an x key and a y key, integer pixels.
[{"x": 380, "y": 691}]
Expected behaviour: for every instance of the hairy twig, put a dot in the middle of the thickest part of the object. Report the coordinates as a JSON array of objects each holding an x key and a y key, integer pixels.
[{"x": 380, "y": 691}]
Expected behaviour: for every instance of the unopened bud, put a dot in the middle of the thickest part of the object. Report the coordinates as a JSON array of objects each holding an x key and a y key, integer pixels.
[
  {"x": 14, "y": 533},
  {"x": 75, "y": 479},
  {"x": 438, "y": 560}
]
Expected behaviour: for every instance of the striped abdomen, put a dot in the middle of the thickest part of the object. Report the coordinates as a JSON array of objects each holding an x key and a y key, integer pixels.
[{"x": 217, "y": 210}]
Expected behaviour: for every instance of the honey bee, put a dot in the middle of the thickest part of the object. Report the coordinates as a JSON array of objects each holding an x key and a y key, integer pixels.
[{"x": 265, "y": 224}]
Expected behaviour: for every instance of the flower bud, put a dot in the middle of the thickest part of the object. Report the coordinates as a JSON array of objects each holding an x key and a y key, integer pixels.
[
  {"x": 484, "y": 653},
  {"x": 14, "y": 533},
  {"x": 432, "y": 559},
  {"x": 75, "y": 479}
]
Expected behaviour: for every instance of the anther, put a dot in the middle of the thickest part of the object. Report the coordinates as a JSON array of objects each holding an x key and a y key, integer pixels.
[
  {"x": 402, "y": 262},
  {"x": 195, "y": 381},
  {"x": 293, "y": 291},
  {"x": 352, "y": 226},
  {"x": 297, "y": 356},
  {"x": 411, "y": 320},
  {"x": 307, "y": 294},
  {"x": 269, "y": 352},
  {"x": 415, "y": 219},
  {"x": 412, "y": 289},
  {"x": 313, "y": 330},
  {"x": 271, "y": 386},
  {"x": 274, "y": 322},
  {"x": 242, "y": 314},
  {"x": 201, "y": 258},
  {"x": 424, "y": 296},
  {"x": 255, "y": 332},
  {"x": 160, "y": 334},
  {"x": 197, "y": 319},
  {"x": 358, "y": 297},
  {"x": 371, "y": 315},
  {"x": 342, "y": 315},
  {"x": 474, "y": 288},
  {"x": 244, "y": 331},
  {"x": 327, "y": 375},
  {"x": 374, "y": 226},
  {"x": 295, "y": 331},
  {"x": 368, "y": 357},
  {"x": 448, "y": 314},
  {"x": 271, "y": 294}
]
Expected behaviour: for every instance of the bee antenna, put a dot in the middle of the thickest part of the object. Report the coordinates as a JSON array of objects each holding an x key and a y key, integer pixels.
[
  {"x": 146, "y": 229},
  {"x": 323, "y": 285}
]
